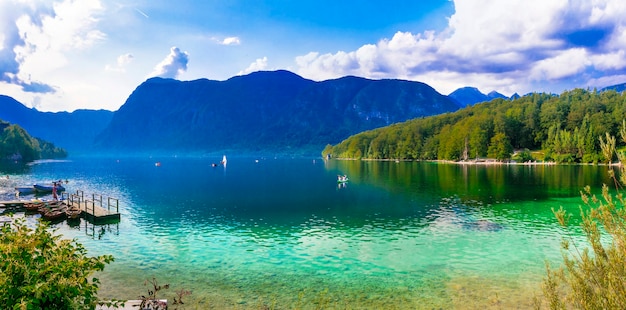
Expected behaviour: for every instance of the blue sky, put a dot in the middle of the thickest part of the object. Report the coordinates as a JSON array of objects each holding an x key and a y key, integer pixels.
[{"x": 64, "y": 55}]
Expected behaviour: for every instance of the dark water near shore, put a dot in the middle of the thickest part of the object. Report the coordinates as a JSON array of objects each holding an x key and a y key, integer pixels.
[{"x": 263, "y": 232}]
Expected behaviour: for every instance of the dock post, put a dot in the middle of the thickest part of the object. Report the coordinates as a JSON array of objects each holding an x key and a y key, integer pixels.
[
  {"x": 94, "y": 208},
  {"x": 117, "y": 204}
]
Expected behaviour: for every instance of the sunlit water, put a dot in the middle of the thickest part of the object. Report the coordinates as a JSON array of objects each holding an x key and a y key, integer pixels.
[{"x": 282, "y": 233}]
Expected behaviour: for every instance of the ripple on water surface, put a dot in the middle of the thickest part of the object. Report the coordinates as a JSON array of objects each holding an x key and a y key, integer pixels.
[{"x": 246, "y": 240}]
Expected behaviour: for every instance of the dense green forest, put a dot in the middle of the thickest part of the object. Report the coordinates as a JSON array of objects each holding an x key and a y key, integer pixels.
[
  {"x": 17, "y": 144},
  {"x": 566, "y": 128}
]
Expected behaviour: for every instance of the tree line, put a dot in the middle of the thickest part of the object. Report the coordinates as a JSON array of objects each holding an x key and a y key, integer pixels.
[
  {"x": 565, "y": 127},
  {"x": 17, "y": 144}
]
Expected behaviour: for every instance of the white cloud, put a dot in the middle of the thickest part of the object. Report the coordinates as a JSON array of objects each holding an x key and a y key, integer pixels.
[
  {"x": 483, "y": 27},
  {"x": 173, "y": 65},
  {"x": 610, "y": 61},
  {"x": 122, "y": 62},
  {"x": 36, "y": 38},
  {"x": 258, "y": 65},
  {"x": 564, "y": 64},
  {"x": 607, "y": 81},
  {"x": 72, "y": 27},
  {"x": 525, "y": 43},
  {"x": 231, "y": 41}
]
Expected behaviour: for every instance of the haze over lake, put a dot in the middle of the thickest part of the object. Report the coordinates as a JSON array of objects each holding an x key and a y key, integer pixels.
[{"x": 265, "y": 230}]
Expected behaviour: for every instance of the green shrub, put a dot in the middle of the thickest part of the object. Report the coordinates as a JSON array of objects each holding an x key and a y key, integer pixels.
[
  {"x": 39, "y": 270},
  {"x": 524, "y": 156},
  {"x": 564, "y": 158},
  {"x": 593, "y": 277},
  {"x": 591, "y": 158}
]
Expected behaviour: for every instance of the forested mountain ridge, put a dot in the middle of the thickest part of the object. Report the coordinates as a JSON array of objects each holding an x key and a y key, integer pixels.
[
  {"x": 567, "y": 127},
  {"x": 269, "y": 111},
  {"x": 16, "y": 144}
]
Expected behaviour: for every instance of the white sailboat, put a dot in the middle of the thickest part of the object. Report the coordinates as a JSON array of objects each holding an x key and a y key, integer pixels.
[{"x": 224, "y": 160}]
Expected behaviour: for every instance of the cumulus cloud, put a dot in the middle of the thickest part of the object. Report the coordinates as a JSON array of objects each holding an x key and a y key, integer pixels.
[
  {"x": 35, "y": 38},
  {"x": 511, "y": 46},
  {"x": 231, "y": 41},
  {"x": 258, "y": 65},
  {"x": 565, "y": 64},
  {"x": 173, "y": 65},
  {"x": 120, "y": 65},
  {"x": 11, "y": 38}
]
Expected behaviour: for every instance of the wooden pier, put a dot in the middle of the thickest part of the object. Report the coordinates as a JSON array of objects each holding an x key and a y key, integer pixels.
[
  {"x": 11, "y": 204},
  {"x": 95, "y": 209}
]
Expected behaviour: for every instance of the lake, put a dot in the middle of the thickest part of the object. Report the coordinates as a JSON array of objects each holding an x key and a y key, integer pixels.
[{"x": 267, "y": 232}]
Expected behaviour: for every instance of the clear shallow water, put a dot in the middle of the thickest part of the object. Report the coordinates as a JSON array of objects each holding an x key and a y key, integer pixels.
[{"x": 283, "y": 232}]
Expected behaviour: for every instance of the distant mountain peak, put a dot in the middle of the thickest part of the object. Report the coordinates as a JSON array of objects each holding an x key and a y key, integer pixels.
[
  {"x": 468, "y": 95},
  {"x": 276, "y": 74},
  {"x": 494, "y": 94},
  {"x": 617, "y": 87}
]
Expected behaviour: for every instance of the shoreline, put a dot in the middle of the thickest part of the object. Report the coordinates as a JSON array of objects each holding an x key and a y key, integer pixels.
[{"x": 481, "y": 162}]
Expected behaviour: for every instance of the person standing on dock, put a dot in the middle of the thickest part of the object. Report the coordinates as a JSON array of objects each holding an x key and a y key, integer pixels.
[{"x": 55, "y": 197}]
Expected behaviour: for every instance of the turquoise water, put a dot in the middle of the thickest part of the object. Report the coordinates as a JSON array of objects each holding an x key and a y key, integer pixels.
[{"x": 281, "y": 232}]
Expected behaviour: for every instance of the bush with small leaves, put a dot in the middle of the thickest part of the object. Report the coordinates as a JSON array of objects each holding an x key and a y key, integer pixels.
[
  {"x": 39, "y": 270},
  {"x": 593, "y": 277}
]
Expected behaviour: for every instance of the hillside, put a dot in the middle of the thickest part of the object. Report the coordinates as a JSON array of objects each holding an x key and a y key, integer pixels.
[
  {"x": 275, "y": 111},
  {"x": 17, "y": 145},
  {"x": 566, "y": 126}
]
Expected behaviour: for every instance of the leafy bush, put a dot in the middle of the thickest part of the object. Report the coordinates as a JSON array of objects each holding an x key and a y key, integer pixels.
[
  {"x": 594, "y": 277},
  {"x": 592, "y": 158},
  {"x": 564, "y": 158},
  {"x": 39, "y": 270},
  {"x": 524, "y": 156}
]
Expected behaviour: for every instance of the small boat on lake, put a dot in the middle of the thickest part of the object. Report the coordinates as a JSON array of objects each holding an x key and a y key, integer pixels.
[
  {"x": 342, "y": 179},
  {"x": 53, "y": 215},
  {"x": 25, "y": 190},
  {"x": 39, "y": 188},
  {"x": 33, "y": 206},
  {"x": 54, "y": 210},
  {"x": 223, "y": 162},
  {"x": 73, "y": 212}
]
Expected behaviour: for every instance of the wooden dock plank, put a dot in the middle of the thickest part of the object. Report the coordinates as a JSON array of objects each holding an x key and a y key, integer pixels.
[
  {"x": 95, "y": 211},
  {"x": 13, "y": 203},
  {"x": 92, "y": 209}
]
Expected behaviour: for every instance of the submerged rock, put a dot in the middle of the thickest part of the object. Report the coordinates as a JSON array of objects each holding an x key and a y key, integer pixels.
[{"x": 483, "y": 225}]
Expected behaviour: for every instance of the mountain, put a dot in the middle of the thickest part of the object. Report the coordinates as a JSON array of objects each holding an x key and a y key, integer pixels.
[
  {"x": 270, "y": 111},
  {"x": 494, "y": 94},
  {"x": 471, "y": 95},
  {"x": 618, "y": 88},
  {"x": 73, "y": 131}
]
